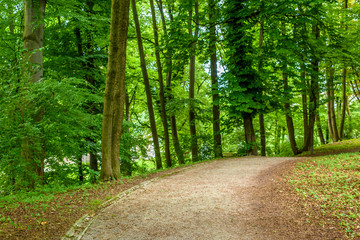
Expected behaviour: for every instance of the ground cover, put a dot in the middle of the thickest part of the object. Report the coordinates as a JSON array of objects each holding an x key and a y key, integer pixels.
[{"x": 329, "y": 186}]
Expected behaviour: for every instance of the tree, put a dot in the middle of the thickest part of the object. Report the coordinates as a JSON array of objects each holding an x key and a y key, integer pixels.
[
  {"x": 114, "y": 91},
  {"x": 214, "y": 80},
  {"x": 194, "y": 142},
  {"x": 245, "y": 94},
  {"x": 161, "y": 87},
  {"x": 33, "y": 36},
  {"x": 147, "y": 87}
]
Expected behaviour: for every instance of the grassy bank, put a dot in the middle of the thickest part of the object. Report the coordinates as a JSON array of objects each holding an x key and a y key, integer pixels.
[{"x": 331, "y": 184}]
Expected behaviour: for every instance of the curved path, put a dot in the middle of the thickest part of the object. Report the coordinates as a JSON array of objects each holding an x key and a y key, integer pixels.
[{"x": 206, "y": 202}]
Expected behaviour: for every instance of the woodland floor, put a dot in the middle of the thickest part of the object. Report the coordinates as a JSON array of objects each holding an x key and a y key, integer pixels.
[{"x": 233, "y": 198}]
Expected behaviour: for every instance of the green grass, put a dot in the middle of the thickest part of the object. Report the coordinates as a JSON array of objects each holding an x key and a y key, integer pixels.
[
  {"x": 332, "y": 183},
  {"x": 335, "y": 147}
]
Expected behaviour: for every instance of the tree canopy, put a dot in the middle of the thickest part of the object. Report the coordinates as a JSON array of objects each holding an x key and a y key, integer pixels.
[{"x": 176, "y": 81}]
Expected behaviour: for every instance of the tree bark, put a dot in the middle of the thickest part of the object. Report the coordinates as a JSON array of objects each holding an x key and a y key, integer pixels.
[
  {"x": 114, "y": 100},
  {"x": 161, "y": 87},
  {"x": 304, "y": 94},
  {"x": 194, "y": 144},
  {"x": 250, "y": 135},
  {"x": 289, "y": 120},
  {"x": 214, "y": 81},
  {"x": 314, "y": 91},
  {"x": 147, "y": 88},
  {"x": 261, "y": 115},
  {"x": 344, "y": 104},
  {"x": 331, "y": 106},
  {"x": 33, "y": 37},
  {"x": 80, "y": 169},
  {"x": 344, "y": 97},
  {"x": 262, "y": 134},
  {"x": 34, "y": 12},
  {"x": 320, "y": 132}
]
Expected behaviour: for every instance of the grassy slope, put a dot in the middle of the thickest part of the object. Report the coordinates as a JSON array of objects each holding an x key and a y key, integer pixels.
[{"x": 331, "y": 183}]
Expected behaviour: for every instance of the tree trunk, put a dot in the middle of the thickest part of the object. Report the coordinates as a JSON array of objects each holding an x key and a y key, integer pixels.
[
  {"x": 33, "y": 37},
  {"x": 320, "y": 132},
  {"x": 261, "y": 115},
  {"x": 161, "y": 87},
  {"x": 194, "y": 144},
  {"x": 174, "y": 133},
  {"x": 214, "y": 81},
  {"x": 314, "y": 92},
  {"x": 147, "y": 88},
  {"x": 250, "y": 135},
  {"x": 34, "y": 12},
  {"x": 262, "y": 134},
  {"x": 114, "y": 91},
  {"x": 304, "y": 91},
  {"x": 80, "y": 169},
  {"x": 331, "y": 106},
  {"x": 344, "y": 104},
  {"x": 289, "y": 119},
  {"x": 276, "y": 138}
]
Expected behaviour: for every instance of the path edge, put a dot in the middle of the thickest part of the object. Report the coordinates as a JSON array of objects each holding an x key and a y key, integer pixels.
[{"x": 78, "y": 229}]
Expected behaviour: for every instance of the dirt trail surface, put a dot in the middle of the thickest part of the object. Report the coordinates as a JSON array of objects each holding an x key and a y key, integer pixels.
[{"x": 209, "y": 201}]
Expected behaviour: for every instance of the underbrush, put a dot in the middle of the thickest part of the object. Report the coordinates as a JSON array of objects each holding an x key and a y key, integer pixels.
[{"x": 331, "y": 184}]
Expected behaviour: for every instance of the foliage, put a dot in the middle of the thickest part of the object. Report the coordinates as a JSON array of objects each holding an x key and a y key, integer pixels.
[{"x": 63, "y": 129}]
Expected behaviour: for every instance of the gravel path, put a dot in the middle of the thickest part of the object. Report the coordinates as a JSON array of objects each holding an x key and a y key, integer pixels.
[{"x": 208, "y": 201}]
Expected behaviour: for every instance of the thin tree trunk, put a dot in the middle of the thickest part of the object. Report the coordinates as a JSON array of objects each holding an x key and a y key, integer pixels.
[
  {"x": 331, "y": 106},
  {"x": 304, "y": 102},
  {"x": 320, "y": 132},
  {"x": 174, "y": 132},
  {"x": 261, "y": 115},
  {"x": 147, "y": 88},
  {"x": 80, "y": 169},
  {"x": 250, "y": 136},
  {"x": 161, "y": 87},
  {"x": 262, "y": 134},
  {"x": 214, "y": 82},
  {"x": 289, "y": 120},
  {"x": 344, "y": 104},
  {"x": 344, "y": 97},
  {"x": 114, "y": 100},
  {"x": 314, "y": 91},
  {"x": 276, "y": 143},
  {"x": 194, "y": 144}
]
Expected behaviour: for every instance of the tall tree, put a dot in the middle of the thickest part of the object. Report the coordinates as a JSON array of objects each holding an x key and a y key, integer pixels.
[
  {"x": 147, "y": 87},
  {"x": 344, "y": 95},
  {"x": 164, "y": 117},
  {"x": 33, "y": 37},
  {"x": 261, "y": 115},
  {"x": 245, "y": 89},
  {"x": 331, "y": 105},
  {"x": 115, "y": 91},
  {"x": 287, "y": 90},
  {"x": 194, "y": 142},
  {"x": 314, "y": 89},
  {"x": 214, "y": 80},
  {"x": 169, "y": 75}
]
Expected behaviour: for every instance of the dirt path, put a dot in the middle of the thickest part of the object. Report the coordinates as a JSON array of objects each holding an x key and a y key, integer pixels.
[{"x": 209, "y": 201}]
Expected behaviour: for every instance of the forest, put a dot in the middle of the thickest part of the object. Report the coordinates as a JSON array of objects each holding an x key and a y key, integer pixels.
[{"x": 103, "y": 90}]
